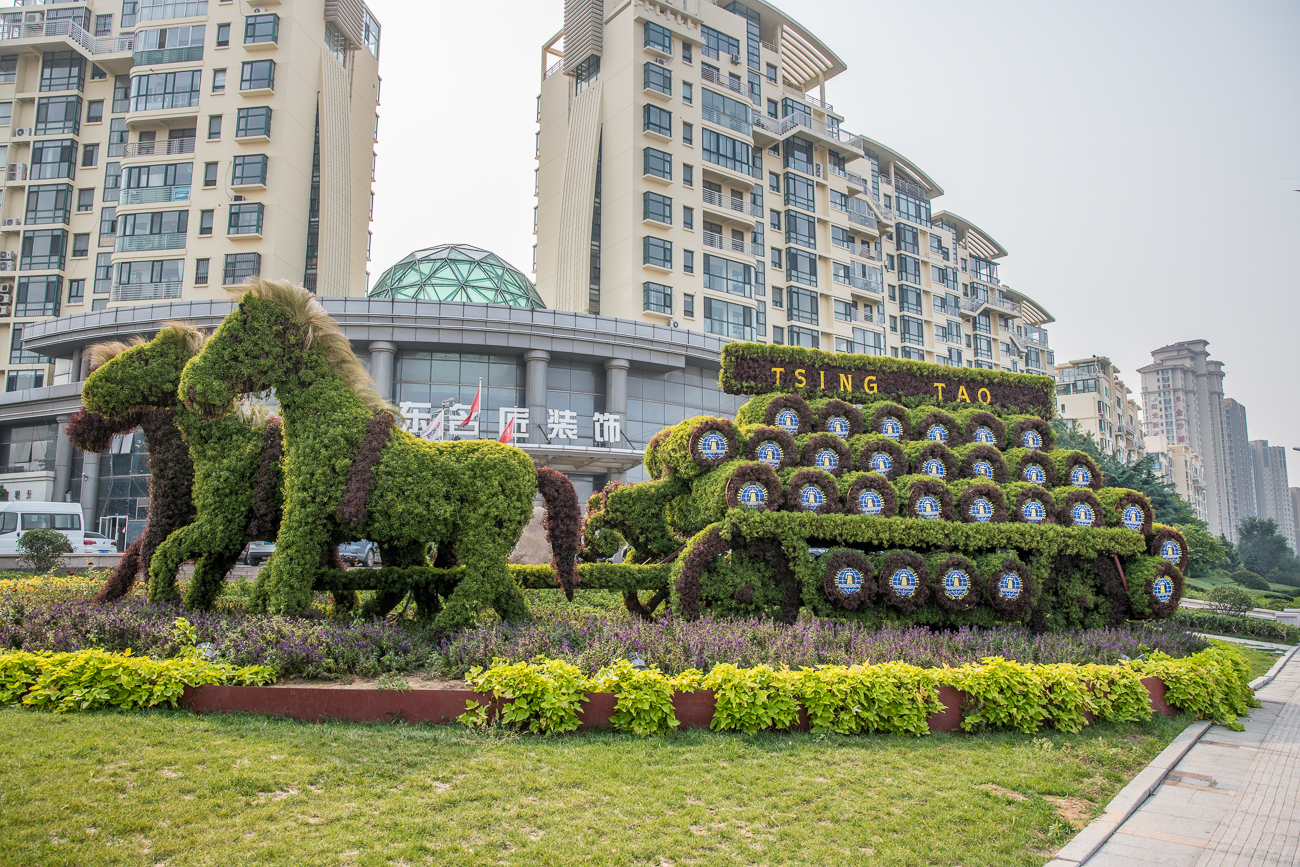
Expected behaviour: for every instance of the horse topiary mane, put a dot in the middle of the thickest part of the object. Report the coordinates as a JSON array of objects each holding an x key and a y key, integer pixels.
[{"x": 322, "y": 332}]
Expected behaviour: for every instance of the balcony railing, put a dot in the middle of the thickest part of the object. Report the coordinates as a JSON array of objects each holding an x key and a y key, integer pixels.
[
  {"x": 150, "y": 195},
  {"x": 727, "y": 121},
  {"x": 1036, "y": 336},
  {"x": 866, "y": 220},
  {"x": 179, "y": 9},
  {"x": 158, "y": 148},
  {"x": 857, "y": 282},
  {"x": 733, "y": 245},
  {"x": 554, "y": 68},
  {"x": 722, "y": 81},
  {"x": 145, "y": 291},
  {"x": 811, "y": 100},
  {"x": 138, "y": 243},
  {"x": 902, "y": 185},
  {"x": 730, "y": 203},
  {"x": 72, "y": 30},
  {"x": 167, "y": 55},
  {"x": 862, "y": 251},
  {"x": 974, "y": 305},
  {"x": 771, "y": 125}
]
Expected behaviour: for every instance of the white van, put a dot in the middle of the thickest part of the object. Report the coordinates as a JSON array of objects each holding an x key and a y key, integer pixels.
[{"x": 18, "y": 516}]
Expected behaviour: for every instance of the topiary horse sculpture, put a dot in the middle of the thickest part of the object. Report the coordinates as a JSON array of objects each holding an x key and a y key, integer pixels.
[
  {"x": 235, "y": 464},
  {"x": 350, "y": 471}
]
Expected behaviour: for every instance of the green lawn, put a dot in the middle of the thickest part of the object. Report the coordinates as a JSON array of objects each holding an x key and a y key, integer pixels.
[
  {"x": 1260, "y": 661},
  {"x": 166, "y": 787}
]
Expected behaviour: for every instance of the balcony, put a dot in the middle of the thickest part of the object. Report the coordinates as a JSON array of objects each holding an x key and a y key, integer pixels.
[
  {"x": 145, "y": 291},
  {"x": 167, "y": 55},
  {"x": 723, "y": 81},
  {"x": 139, "y": 149},
  {"x": 732, "y": 245},
  {"x": 1036, "y": 336},
  {"x": 979, "y": 302},
  {"x": 811, "y": 100},
  {"x": 862, "y": 251},
  {"x": 726, "y": 121},
  {"x": 153, "y": 195},
  {"x": 64, "y": 34},
  {"x": 860, "y": 283},
  {"x": 729, "y": 204},
  {"x": 142, "y": 243}
]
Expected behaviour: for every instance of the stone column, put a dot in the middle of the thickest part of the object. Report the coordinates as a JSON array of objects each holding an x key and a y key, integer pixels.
[
  {"x": 616, "y": 399},
  {"x": 537, "y": 361},
  {"x": 383, "y": 358},
  {"x": 75, "y": 367},
  {"x": 90, "y": 489},
  {"x": 62, "y": 461},
  {"x": 85, "y": 367}
]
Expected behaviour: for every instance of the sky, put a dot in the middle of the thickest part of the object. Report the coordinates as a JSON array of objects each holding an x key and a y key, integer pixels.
[{"x": 1139, "y": 161}]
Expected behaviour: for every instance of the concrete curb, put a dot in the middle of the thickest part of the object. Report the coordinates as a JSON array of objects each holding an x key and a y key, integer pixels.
[
  {"x": 1265, "y": 679},
  {"x": 1086, "y": 843}
]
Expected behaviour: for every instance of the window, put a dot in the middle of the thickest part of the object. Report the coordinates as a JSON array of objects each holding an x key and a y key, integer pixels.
[
  {"x": 104, "y": 25},
  {"x": 240, "y": 266},
  {"x": 214, "y": 127},
  {"x": 802, "y": 305},
  {"x": 121, "y": 93},
  {"x": 688, "y": 218},
  {"x": 76, "y": 291},
  {"x": 38, "y": 296},
  {"x": 201, "y": 272},
  {"x": 776, "y": 258},
  {"x": 909, "y": 299},
  {"x": 117, "y": 136},
  {"x": 734, "y": 321},
  {"x": 19, "y": 355},
  {"x": 89, "y": 156},
  {"x": 801, "y": 267},
  {"x": 103, "y": 273},
  {"x": 205, "y": 222},
  {"x": 778, "y": 297},
  {"x": 143, "y": 273},
  {"x": 803, "y": 337},
  {"x": 771, "y": 72},
  {"x": 167, "y": 175},
  {"x": 658, "y": 252},
  {"x": 20, "y": 380},
  {"x": 658, "y": 163},
  {"x": 774, "y": 219},
  {"x": 799, "y": 155},
  {"x": 169, "y": 45},
  {"x": 218, "y": 81},
  {"x": 261, "y": 28},
  {"x": 907, "y": 238},
  {"x": 249, "y": 170},
  {"x": 658, "y": 208},
  {"x": 107, "y": 228},
  {"x": 245, "y": 219},
  {"x": 658, "y": 38},
  {"x": 62, "y": 70},
  {"x": 913, "y": 330},
  {"x": 81, "y": 245},
  {"x": 725, "y": 111},
  {"x": 8, "y": 68},
  {"x": 688, "y": 92},
  {"x": 658, "y": 78},
  {"x": 54, "y": 159},
  {"x": 48, "y": 203},
  {"x": 165, "y": 90},
  {"x": 253, "y": 122},
  {"x": 223, "y": 35},
  {"x": 658, "y": 120},
  {"x": 688, "y": 261},
  {"x": 688, "y": 306},
  {"x": 209, "y": 174},
  {"x": 718, "y": 44},
  {"x": 658, "y": 298},
  {"x": 800, "y": 229},
  {"x": 909, "y": 269},
  {"x": 688, "y": 134},
  {"x": 686, "y": 53},
  {"x": 58, "y": 115},
  {"x": 153, "y": 223},
  {"x": 725, "y": 275},
  {"x": 798, "y": 192},
  {"x": 774, "y": 182},
  {"x": 85, "y": 200},
  {"x": 726, "y": 151},
  {"x": 912, "y": 208},
  {"x": 6, "y": 113},
  {"x": 370, "y": 33},
  {"x": 688, "y": 175},
  {"x": 257, "y": 75}
]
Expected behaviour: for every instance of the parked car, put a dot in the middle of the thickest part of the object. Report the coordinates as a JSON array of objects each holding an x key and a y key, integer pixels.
[
  {"x": 18, "y": 516},
  {"x": 257, "y": 553},
  {"x": 97, "y": 543},
  {"x": 360, "y": 553}
]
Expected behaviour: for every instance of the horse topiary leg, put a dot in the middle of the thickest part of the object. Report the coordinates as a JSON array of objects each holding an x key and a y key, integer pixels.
[
  {"x": 486, "y": 582},
  {"x": 209, "y": 578},
  {"x": 290, "y": 573}
]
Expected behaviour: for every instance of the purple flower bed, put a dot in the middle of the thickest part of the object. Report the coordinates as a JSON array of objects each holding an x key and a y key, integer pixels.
[{"x": 318, "y": 648}]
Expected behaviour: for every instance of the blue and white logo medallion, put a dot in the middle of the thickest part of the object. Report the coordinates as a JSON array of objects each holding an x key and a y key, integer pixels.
[
  {"x": 788, "y": 421},
  {"x": 1163, "y": 589},
  {"x": 981, "y": 510},
  {"x": 985, "y": 436},
  {"x": 1031, "y": 439},
  {"x": 1081, "y": 477},
  {"x": 753, "y": 495},
  {"x": 1009, "y": 586},
  {"x": 811, "y": 498},
  {"x": 956, "y": 584},
  {"x": 1033, "y": 512},
  {"x": 928, "y": 508},
  {"x": 891, "y": 428},
  {"x": 1171, "y": 551},
  {"x": 870, "y": 502},
  {"x": 881, "y": 463},
  {"x": 827, "y": 460},
  {"x": 1133, "y": 518},
  {"x": 770, "y": 453},
  {"x": 934, "y": 467},
  {"x": 984, "y": 469},
  {"x": 838, "y": 425},
  {"x": 713, "y": 446},
  {"x": 937, "y": 433},
  {"x": 903, "y": 582},
  {"x": 1082, "y": 515},
  {"x": 1034, "y": 474},
  {"x": 848, "y": 580}
]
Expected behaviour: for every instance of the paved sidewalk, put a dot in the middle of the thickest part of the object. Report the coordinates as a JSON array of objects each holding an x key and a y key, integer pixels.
[{"x": 1218, "y": 798}]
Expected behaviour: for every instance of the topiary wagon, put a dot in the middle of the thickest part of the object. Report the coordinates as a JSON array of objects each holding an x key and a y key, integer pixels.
[{"x": 875, "y": 489}]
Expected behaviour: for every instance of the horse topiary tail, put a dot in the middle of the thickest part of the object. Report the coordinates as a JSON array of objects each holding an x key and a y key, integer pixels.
[{"x": 563, "y": 523}]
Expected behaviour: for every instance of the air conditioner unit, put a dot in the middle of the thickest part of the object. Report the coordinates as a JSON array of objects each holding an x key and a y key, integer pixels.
[
  {"x": 7, "y": 265},
  {"x": 7, "y": 255},
  {"x": 258, "y": 10},
  {"x": 735, "y": 60},
  {"x": 661, "y": 61},
  {"x": 817, "y": 169},
  {"x": 22, "y": 131},
  {"x": 5, "y": 298},
  {"x": 13, "y": 221},
  {"x": 676, "y": 323},
  {"x": 17, "y": 172},
  {"x": 236, "y": 198},
  {"x": 4, "y": 309}
]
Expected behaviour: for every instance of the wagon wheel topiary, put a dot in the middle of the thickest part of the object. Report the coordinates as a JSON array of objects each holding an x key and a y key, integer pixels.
[
  {"x": 1155, "y": 586},
  {"x": 1028, "y": 432},
  {"x": 772, "y": 446},
  {"x": 790, "y": 413},
  {"x": 1077, "y": 507},
  {"x": 860, "y": 499},
  {"x": 849, "y": 579},
  {"x": 982, "y": 503},
  {"x": 1033, "y": 466},
  {"x": 827, "y": 452},
  {"x": 754, "y": 486},
  {"x": 1032, "y": 504},
  {"x": 1124, "y": 508},
  {"x": 982, "y": 462},
  {"x": 814, "y": 491},
  {"x": 653, "y": 460},
  {"x": 935, "y": 425},
  {"x": 905, "y": 580},
  {"x": 882, "y": 455},
  {"x": 839, "y": 418},
  {"x": 1009, "y": 584},
  {"x": 890, "y": 419},
  {"x": 1168, "y": 544},
  {"x": 924, "y": 497},
  {"x": 932, "y": 459},
  {"x": 958, "y": 583},
  {"x": 983, "y": 427},
  {"x": 1077, "y": 469}
]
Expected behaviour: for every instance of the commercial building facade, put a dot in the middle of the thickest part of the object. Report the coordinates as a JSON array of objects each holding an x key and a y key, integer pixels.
[
  {"x": 161, "y": 151},
  {"x": 687, "y": 176},
  {"x": 1092, "y": 397}
]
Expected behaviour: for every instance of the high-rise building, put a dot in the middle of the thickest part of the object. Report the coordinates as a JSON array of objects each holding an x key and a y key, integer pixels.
[
  {"x": 1239, "y": 471},
  {"x": 1295, "y": 510},
  {"x": 1182, "y": 397},
  {"x": 1272, "y": 496},
  {"x": 1181, "y": 467},
  {"x": 688, "y": 175},
  {"x": 156, "y": 150},
  {"x": 1091, "y": 396}
]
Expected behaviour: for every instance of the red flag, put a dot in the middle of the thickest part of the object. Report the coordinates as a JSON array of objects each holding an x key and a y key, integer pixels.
[
  {"x": 473, "y": 407},
  {"x": 508, "y": 435}
]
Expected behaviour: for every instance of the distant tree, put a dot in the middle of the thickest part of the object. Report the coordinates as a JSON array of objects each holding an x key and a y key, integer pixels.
[
  {"x": 1229, "y": 599},
  {"x": 1205, "y": 553},
  {"x": 4, "y": 494},
  {"x": 1260, "y": 547},
  {"x": 42, "y": 550},
  {"x": 1140, "y": 475},
  {"x": 1249, "y": 580}
]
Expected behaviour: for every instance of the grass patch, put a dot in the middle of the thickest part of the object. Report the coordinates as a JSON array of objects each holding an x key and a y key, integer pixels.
[
  {"x": 166, "y": 786},
  {"x": 1260, "y": 661}
]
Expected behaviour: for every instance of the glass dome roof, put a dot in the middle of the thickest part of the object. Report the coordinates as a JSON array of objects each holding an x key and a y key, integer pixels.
[{"x": 457, "y": 272}]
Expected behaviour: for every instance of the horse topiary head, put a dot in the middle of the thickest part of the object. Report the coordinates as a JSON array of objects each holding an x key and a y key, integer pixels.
[
  {"x": 279, "y": 337},
  {"x": 128, "y": 378}
]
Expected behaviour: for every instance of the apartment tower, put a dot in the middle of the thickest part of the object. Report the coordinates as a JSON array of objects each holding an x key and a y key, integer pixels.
[
  {"x": 158, "y": 151},
  {"x": 1091, "y": 396},
  {"x": 1239, "y": 469},
  {"x": 691, "y": 172},
  {"x": 1272, "y": 496}
]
